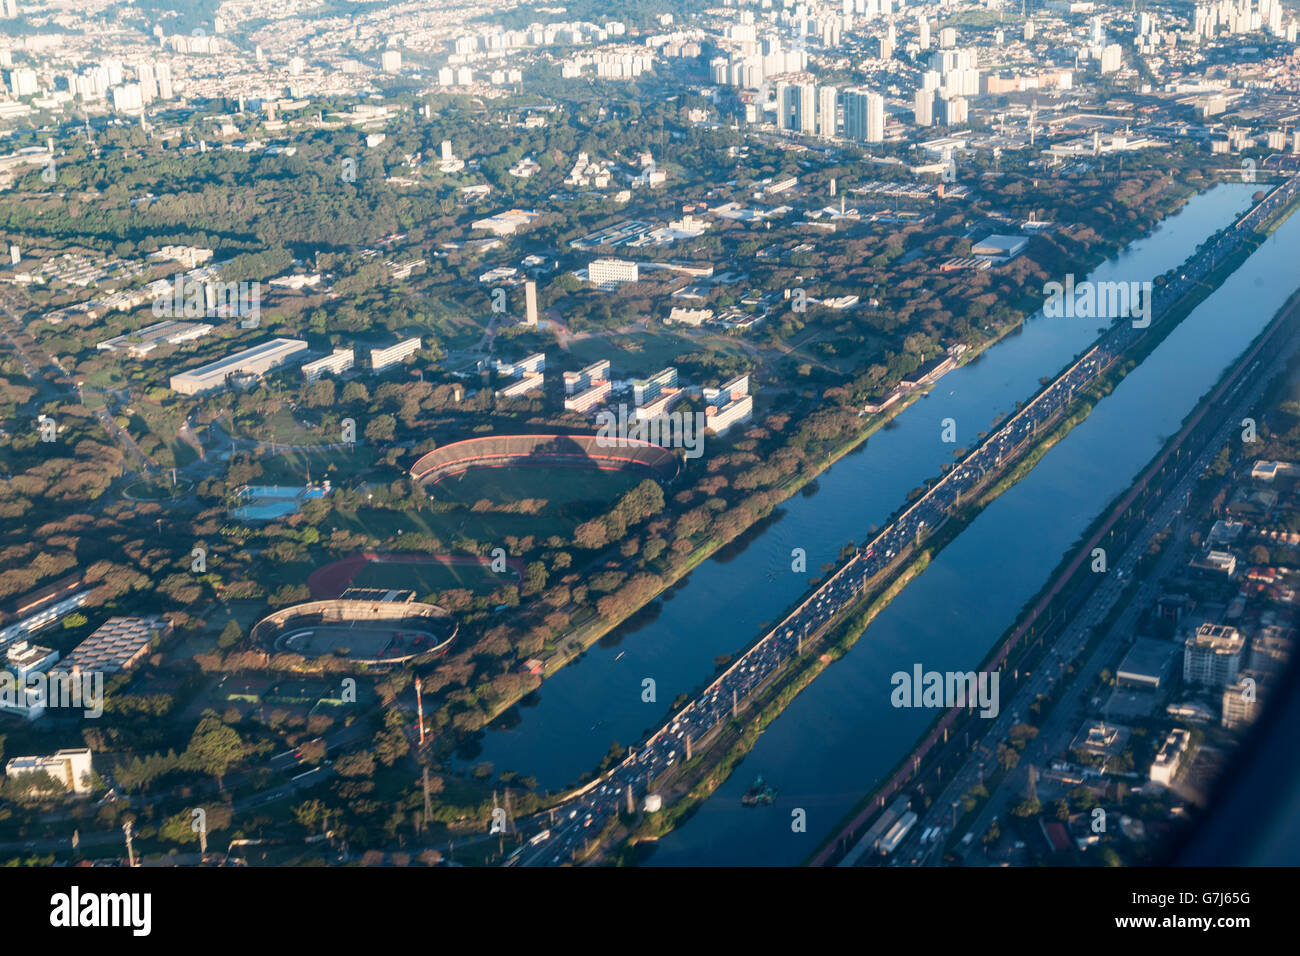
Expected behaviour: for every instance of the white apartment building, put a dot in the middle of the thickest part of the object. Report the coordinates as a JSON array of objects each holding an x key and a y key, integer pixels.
[
  {"x": 337, "y": 362},
  {"x": 383, "y": 358},
  {"x": 1212, "y": 656},
  {"x": 530, "y": 382},
  {"x": 72, "y": 767},
  {"x": 721, "y": 418},
  {"x": 645, "y": 389},
  {"x": 924, "y": 107},
  {"x": 128, "y": 98},
  {"x": 588, "y": 399},
  {"x": 602, "y": 271},
  {"x": 826, "y": 118},
  {"x": 526, "y": 366},
  {"x": 1165, "y": 767},
  {"x": 583, "y": 378},
  {"x": 1111, "y": 58},
  {"x": 22, "y": 82}
]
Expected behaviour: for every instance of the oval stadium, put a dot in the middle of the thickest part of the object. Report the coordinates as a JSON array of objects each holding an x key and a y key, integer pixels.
[
  {"x": 571, "y": 451},
  {"x": 370, "y": 626}
]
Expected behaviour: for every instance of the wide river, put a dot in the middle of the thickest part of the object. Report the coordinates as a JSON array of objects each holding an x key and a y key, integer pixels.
[{"x": 840, "y": 736}]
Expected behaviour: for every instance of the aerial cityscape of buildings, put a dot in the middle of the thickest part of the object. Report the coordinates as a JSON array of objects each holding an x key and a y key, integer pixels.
[{"x": 446, "y": 433}]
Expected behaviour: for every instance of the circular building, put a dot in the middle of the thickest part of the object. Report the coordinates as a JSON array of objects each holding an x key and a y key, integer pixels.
[
  {"x": 571, "y": 451},
  {"x": 370, "y": 626}
]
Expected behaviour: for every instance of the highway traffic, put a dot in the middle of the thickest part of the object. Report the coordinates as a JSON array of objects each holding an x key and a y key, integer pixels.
[{"x": 585, "y": 814}]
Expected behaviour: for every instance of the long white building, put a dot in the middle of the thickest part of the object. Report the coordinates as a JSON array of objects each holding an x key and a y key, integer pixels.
[
  {"x": 143, "y": 341},
  {"x": 338, "y": 361},
  {"x": 525, "y": 366},
  {"x": 602, "y": 271},
  {"x": 530, "y": 382},
  {"x": 645, "y": 389},
  {"x": 383, "y": 358},
  {"x": 253, "y": 362},
  {"x": 71, "y": 767},
  {"x": 583, "y": 378}
]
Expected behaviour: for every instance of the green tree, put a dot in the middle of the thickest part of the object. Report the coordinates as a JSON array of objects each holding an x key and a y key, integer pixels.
[
  {"x": 231, "y": 635},
  {"x": 1028, "y": 807},
  {"x": 381, "y": 428},
  {"x": 214, "y": 748},
  {"x": 534, "y": 577},
  {"x": 320, "y": 394}
]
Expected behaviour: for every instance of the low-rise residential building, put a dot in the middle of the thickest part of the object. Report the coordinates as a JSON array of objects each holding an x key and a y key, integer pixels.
[
  {"x": 381, "y": 359},
  {"x": 73, "y": 767},
  {"x": 1165, "y": 767},
  {"x": 586, "y": 400},
  {"x": 337, "y": 362},
  {"x": 530, "y": 382}
]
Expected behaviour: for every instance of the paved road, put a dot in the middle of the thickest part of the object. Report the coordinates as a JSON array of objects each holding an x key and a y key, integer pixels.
[
  {"x": 588, "y": 811},
  {"x": 1057, "y": 731},
  {"x": 1112, "y": 344}
]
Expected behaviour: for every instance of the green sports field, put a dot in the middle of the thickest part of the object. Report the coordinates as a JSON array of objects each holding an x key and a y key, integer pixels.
[
  {"x": 426, "y": 578},
  {"x": 571, "y": 496},
  {"x": 559, "y": 487}
]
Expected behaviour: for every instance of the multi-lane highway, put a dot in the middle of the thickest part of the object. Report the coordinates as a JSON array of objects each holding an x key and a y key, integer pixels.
[
  {"x": 572, "y": 823},
  {"x": 1230, "y": 403}
]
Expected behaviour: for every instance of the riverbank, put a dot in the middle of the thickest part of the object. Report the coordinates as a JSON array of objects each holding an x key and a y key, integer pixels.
[
  {"x": 1170, "y": 319},
  {"x": 1052, "y": 605},
  {"x": 574, "y": 645}
]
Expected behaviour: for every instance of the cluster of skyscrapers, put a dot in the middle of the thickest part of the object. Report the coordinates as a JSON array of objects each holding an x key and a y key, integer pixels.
[
  {"x": 1237, "y": 16},
  {"x": 803, "y": 108}
]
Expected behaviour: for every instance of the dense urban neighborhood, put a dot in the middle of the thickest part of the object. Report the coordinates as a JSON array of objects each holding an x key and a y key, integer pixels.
[{"x": 438, "y": 433}]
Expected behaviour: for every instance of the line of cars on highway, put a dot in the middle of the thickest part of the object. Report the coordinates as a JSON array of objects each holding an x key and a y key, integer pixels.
[{"x": 587, "y": 813}]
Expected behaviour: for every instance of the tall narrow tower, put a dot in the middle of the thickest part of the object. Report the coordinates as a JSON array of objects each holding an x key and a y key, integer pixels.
[
  {"x": 419, "y": 709},
  {"x": 530, "y": 302}
]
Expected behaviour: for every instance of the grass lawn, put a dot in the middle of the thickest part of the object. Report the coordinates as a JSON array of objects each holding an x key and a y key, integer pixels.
[
  {"x": 426, "y": 578},
  {"x": 459, "y": 332},
  {"x": 292, "y": 467},
  {"x": 572, "y": 495},
  {"x": 642, "y": 353},
  {"x": 383, "y": 525},
  {"x": 558, "y": 486},
  {"x": 283, "y": 425}
]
